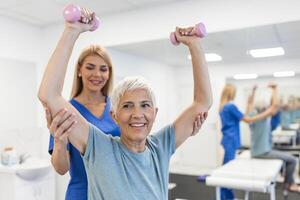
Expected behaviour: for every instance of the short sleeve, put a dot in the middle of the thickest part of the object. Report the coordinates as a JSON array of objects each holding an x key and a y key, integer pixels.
[
  {"x": 165, "y": 140},
  {"x": 237, "y": 114},
  {"x": 99, "y": 144}
]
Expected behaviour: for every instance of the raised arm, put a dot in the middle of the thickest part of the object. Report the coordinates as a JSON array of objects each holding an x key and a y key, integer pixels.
[
  {"x": 202, "y": 100},
  {"x": 52, "y": 83},
  {"x": 271, "y": 110},
  {"x": 250, "y": 101}
]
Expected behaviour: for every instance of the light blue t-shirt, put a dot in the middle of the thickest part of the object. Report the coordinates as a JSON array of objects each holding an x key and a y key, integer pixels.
[
  {"x": 116, "y": 173},
  {"x": 285, "y": 121},
  {"x": 261, "y": 138}
]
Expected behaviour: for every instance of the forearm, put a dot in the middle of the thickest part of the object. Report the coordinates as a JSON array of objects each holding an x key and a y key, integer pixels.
[
  {"x": 60, "y": 158},
  {"x": 202, "y": 87},
  {"x": 53, "y": 79},
  {"x": 274, "y": 101},
  {"x": 202, "y": 101},
  {"x": 249, "y": 107},
  {"x": 250, "y": 102},
  {"x": 258, "y": 117}
]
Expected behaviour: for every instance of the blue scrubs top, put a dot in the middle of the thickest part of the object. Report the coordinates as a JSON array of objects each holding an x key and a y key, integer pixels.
[
  {"x": 275, "y": 121},
  {"x": 77, "y": 188},
  {"x": 230, "y": 118}
]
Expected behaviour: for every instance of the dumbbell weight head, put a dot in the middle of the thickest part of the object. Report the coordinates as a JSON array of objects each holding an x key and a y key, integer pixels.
[
  {"x": 200, "y": 30},
  {"x": 96, "y": 23},
  {"x": 72, "y": 13},
  {"x": 173, "y": 39}
]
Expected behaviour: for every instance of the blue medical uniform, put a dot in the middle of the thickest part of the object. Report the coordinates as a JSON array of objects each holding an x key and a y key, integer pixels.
[
  {"x": 77, "y": 188},
  {"x": 275, "y": 121},
  {"x": 230, "y": 118}
]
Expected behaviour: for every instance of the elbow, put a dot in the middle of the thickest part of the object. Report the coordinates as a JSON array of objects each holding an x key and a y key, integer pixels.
[
  {"x": 61, "y": 172},
  {"x": 204, "y": 104},
  {"x": 202, "y": 107},
  {"x": 45, "y": 96},
  {"x": 42, "y": 97}
]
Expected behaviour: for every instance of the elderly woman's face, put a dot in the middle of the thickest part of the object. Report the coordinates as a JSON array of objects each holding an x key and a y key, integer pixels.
[{"x": 135, "y": 115}]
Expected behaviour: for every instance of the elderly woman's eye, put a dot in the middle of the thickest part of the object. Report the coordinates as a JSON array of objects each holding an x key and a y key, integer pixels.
[
  {"x": 126, "y": 106},
  {"x": 145, "y": 105}
]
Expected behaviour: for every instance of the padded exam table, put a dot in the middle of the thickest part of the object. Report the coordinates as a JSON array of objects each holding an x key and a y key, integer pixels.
[{"x": 245, "y": 173}]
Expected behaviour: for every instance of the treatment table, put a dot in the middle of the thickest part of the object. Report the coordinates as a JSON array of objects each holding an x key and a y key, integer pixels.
[{"x": 245, "y": 173}]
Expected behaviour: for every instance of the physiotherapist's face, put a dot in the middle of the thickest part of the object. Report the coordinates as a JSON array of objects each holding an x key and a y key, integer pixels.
[{"x": 94, "y": 72}]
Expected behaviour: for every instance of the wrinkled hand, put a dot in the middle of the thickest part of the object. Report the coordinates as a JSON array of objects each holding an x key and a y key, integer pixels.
[
  {"x": 198, "y": 123},
  {"x": 186, "y": 35},
  {"x": 61, "y": 125}
]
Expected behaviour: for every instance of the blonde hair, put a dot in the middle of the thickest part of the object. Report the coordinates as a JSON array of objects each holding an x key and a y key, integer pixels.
[
  {"x": 228, "y": 94},
  {"x": 77, "y": 81},
  {"x": 130, "y": 84}
]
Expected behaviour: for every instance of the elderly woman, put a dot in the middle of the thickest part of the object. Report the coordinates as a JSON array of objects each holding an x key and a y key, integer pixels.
[{"x": 134, "y": 166}]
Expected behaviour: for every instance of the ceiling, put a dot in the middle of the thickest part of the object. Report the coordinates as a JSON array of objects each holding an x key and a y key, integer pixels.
[
  {"x": 231, "y": 45},
  {"x": 46, "y": 12}
]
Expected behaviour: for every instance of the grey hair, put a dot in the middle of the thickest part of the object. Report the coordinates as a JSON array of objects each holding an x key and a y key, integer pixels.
[
  {"x": 262, "y": 99},
  {"x": 130, "y": 84}
]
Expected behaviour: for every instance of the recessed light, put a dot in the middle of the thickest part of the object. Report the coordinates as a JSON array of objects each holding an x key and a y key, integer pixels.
[
  {"x": 284, "y": 74},
  {"x": 245, "y": 76},
  {"x": 260, "y": 53},
  {"x": 210, "y": 57}
]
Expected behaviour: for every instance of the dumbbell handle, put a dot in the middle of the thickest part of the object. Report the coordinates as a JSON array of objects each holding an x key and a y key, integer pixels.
[
  {"x": 72, "y": 13},
  {"x": 198, "y": 30}
]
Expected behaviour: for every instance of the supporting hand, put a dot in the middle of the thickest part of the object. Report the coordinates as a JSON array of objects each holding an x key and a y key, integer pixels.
[
  {"x": 199, "y": 122},
  {"x": 61, "y": 125}
]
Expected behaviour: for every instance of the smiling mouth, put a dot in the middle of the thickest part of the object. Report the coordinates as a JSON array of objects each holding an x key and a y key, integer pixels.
[
  {"x": 137, "y": 125},
  {"x": 95, "y": 82}
]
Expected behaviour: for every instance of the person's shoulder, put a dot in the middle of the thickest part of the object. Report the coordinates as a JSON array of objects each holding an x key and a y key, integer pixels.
[
  {"x": 161, "y": 133},
  {"x": 166, "y": 129},
  {"x": 229, "y": 105},
  {"x": 94, "y": 130}
]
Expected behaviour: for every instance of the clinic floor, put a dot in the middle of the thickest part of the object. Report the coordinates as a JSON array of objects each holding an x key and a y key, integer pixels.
[{"x": 188, "y": 188}]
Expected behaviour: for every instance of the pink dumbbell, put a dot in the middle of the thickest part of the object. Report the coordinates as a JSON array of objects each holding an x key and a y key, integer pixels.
[
  {"x": 198, "y": 30},
  {"x": 72, "y": 13}
]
